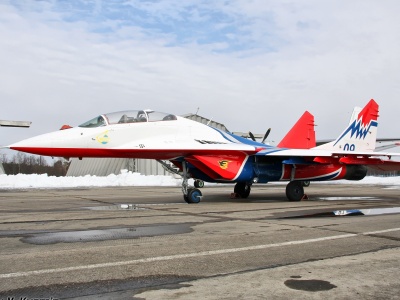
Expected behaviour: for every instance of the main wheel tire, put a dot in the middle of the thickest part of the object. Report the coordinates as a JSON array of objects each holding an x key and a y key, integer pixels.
[
  {"x": 295, "y": 191},
  {"x": 242, "y": 189},
  {"x": 193, "y": 196},
  {"x": 198, "y": 183}
]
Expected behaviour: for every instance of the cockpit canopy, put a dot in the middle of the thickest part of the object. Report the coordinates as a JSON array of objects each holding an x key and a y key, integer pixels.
[{"x": 131, "y": 116}]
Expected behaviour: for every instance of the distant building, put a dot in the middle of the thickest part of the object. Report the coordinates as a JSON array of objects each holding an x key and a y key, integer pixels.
[{"x": 107, "y": 166}]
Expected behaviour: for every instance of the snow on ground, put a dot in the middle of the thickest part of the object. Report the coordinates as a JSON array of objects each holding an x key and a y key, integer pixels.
[{"x": 22, "y": 181}]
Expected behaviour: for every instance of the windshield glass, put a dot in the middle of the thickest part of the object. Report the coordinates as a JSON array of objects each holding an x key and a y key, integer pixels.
[
  {"x": 95, "y": 122},
  {"x": 134, "y": 116},
  {"x": 129, "y": 116}
]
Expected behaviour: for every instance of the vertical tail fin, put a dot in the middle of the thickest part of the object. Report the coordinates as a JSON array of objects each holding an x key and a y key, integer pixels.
[
  {"x": 360, "y": 134},
  {"x": 302, "y": 134}
]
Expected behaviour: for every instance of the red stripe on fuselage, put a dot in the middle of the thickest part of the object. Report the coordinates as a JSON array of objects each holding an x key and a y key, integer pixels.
[{"x": 127, "y": 153}]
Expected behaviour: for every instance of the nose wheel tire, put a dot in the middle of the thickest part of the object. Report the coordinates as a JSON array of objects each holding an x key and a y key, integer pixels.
[
  {"x": 193, "y": 196},
  {"x": 295, "y": 191}
]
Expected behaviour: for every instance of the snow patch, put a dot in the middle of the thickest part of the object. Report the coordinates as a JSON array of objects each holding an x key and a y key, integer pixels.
[{"x": 23, "y": 181}]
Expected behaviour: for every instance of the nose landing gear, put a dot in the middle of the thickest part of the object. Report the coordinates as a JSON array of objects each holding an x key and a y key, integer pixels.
[
  {"x": 193, "y": 196},
  {"x": 190, "y": 195}
]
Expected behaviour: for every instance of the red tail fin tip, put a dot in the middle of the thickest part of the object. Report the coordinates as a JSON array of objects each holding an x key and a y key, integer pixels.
[{"x": 302, "y": 134}]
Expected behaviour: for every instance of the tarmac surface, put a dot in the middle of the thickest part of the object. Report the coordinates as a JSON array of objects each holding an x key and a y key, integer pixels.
[{"x": 147, "y": 243}]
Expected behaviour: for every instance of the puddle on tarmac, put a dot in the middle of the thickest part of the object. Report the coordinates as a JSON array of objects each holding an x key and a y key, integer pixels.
[
  {"x": 129, "y": 206},
  {"x": 346, "y": 198},
  {"x": 117, "y": 207},
  {"x": 349, "y": 212},
  {"x": 312, "y": 285},
  {"x": 125, "y": 288},
  {"x": 381, "y": 211},
  {"x": 106, "y": 234}
]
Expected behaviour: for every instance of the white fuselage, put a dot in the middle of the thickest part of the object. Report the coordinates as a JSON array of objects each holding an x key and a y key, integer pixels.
[{"x": 160, "y": 140}]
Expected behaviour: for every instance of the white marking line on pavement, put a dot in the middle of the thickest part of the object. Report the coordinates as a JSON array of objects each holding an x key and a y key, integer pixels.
[
  {"x": 188, "y": 255},
  {"x": 381, "y": 231}
]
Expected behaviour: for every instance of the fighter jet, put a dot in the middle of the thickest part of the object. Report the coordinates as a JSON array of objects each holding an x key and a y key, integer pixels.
[{"x": 212, "y": 155}]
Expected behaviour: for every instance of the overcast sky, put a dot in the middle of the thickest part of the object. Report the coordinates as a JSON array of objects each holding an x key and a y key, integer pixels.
[{"x": 249, "y": 64}]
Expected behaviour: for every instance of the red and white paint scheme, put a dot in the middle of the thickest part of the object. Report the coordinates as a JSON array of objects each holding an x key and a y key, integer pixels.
[{"x": 208, "y": 154}]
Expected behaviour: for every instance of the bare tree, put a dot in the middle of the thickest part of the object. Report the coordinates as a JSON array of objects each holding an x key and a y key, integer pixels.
[{"x": 33, "y": 164}]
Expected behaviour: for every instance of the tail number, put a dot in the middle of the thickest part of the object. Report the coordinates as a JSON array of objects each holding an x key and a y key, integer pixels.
[{"x": 348, "y": 147}]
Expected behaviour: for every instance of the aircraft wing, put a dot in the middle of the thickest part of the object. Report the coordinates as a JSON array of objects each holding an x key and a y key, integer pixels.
[
  {"x": 320, "y": 153},
  {"x": 394, "y": 144},
  {"x": 377, "y": 160},
  {"x": 294, "y": 152}
]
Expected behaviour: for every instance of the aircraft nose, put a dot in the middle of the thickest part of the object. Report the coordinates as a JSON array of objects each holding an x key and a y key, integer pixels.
[
  {"x": 34, "y": 142},
  {"x": 35, "y": 145}
]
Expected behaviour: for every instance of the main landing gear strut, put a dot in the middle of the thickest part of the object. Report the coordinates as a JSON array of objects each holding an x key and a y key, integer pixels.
[{"x": 191, "y": 195}]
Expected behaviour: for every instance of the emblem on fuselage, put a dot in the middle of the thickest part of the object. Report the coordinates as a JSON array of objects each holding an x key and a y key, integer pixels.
[
  {"x": 103, "y": 138},
  {"x": 224, "y": 164}
]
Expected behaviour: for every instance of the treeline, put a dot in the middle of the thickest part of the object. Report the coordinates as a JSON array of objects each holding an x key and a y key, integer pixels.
[{"x": 22, "y": 163}]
